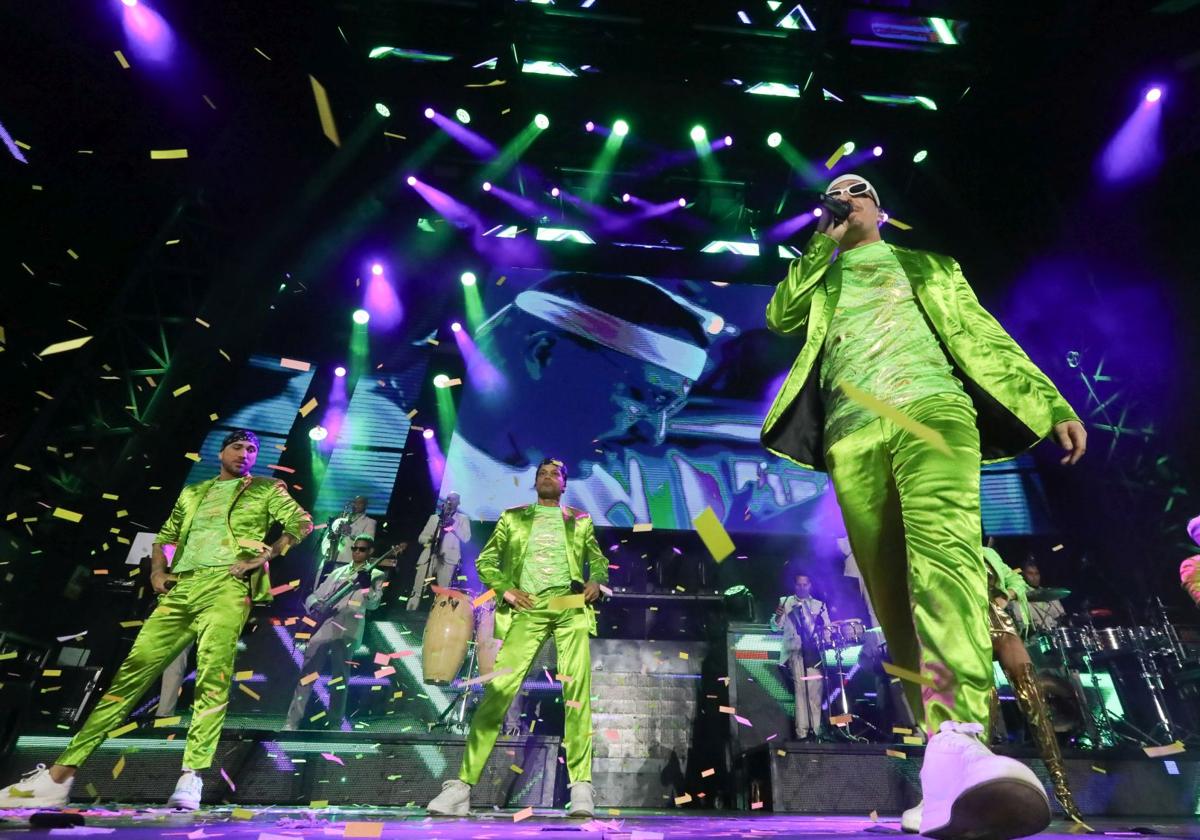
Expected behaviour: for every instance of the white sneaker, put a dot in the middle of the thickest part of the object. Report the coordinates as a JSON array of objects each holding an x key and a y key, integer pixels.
[
  {"x": 972, "y": 793},
  {"x": 187, "y": 791},
  {"x": 36, "y": 790},
  {"x": 910, "y": 820},
  {"x": 582, "y": 802},
  {"x": 453, "y": 801}
]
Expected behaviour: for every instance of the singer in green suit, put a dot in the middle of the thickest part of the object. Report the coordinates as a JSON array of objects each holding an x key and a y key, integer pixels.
[
  {"x": 904, "y": 327},
  {"x": 539, "y": 555}
]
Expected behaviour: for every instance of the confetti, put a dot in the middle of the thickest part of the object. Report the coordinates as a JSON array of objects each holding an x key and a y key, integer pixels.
[
  {"x": 516, "y": 769},
  {"x": 642, "y": 527},
  {"x": 319, "y": 803},
  {"x": 930, "y": 436},
  {"x": 901, "y": 730},
  {"x": 573, "y": 704},
  {"x": 754, "y": 806},
  {"x": 485, "y": 597},
  {"x": 65, "y": 346},
  {"x": 384, "y": 672},
  {"x": 247, "y": 690},
  {"x": 912, "y": 740},
  {"x": 523, "y": 814},
  {"x": 192, "y": 456},
  {"x": 69, "y": 515},
  {"x": 713, "y": 533},
  {"x": 212, "y": 710},
  {"x": 242, "y": 814},
  {"x": 295, "y": 364},
  {"x": 835, "y": 157},
  {"x": 228, "y": 780},
  {"x": 333, "y": 758},
  {"x": 896, "y": 754},
  {"x": 308, "y": 407},
  {"x": 181, "y": 390},
  {"x": 841, "y": 720},
  {"x": 683, "y": 654},
  {"x": 324, "y": 112},
  {"x": 1169, "y": 749},
  {"x": 118, "y": 767},
  {"x": 897, "y": 223},
  {"x": 566, "y": 602},
  {"x": 167, "y": 721},
  {"x": 743, "y": 721},
  {"x": 118, "y": 732},
  {"x": 243, "y": 675},
  {"x": 907, "y": 675},
  {"x": 168, "y": 154},
  {"x": 683, "y": 800},
  {"x": 1096, "y": 769},
  {"x": 121, "y": 59},
  {"x": 704, "y": 774}
]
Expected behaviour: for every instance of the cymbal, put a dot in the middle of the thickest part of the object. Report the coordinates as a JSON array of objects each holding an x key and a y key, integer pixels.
[{"x": 1047, "y": 593}]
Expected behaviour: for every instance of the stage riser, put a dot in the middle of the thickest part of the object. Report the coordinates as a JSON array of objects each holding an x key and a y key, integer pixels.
[
  {"x": 150, "y": 772},
  {"x": 828, "y": 782}
]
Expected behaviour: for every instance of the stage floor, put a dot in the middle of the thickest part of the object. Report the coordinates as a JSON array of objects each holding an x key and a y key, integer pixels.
[{"x": 276, "y": 823}]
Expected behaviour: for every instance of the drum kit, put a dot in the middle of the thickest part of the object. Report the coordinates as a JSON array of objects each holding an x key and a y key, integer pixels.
[
  {"x": 457, "y": 631},
  {"x": 1084, "y": 659}
]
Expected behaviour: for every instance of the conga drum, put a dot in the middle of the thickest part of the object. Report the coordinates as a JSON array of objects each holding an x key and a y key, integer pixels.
[
  {"x": 447, "y": 634},
  {"x": 487, "y": 646}
]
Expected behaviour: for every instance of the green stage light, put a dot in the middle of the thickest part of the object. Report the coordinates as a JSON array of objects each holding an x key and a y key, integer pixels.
[
  {"x": 468, "y": 278},
  {"x": 848, "y": 147},
  {"x": 699, "y": 134},
  {"x": 774, "y": 139},
  {"x": 383, "y": 110},
  {"x": 620, "y": 128},
  {"x": 361, "y": 316},
  {"x": 462, "y": 115},
  {"x": 920, "y": 156},
  {"x": 441, "y": 381},
  {"x": 542, "y": 121}
]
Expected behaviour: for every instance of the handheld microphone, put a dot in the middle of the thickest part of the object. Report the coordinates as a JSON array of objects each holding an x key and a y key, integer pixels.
[{"x": 841, "y": 210}]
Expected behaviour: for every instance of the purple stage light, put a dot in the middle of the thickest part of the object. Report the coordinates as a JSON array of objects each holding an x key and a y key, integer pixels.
[
  {"x": 427, "y": 434},
  {"x": 625, "y": 197},
  {"x": 148, "y": 34},
  {"x": 456, "y": 327},
  {"x": 1154, "y": 94},
  {"x": 877, "y": 151},
  {"x": 682, "y": 202},
  {"x": 554, "y": 191},
  {"x": 817, "y": 212},
  {"x": 728, "y": 140},
  {"x": 589, "y": 126},
  {"x": 411, "y": 180},
  {"x": 487, "y": 186},
  {"x": 130, "y": 2},
  {"x": 339, "y": 371},
  {"x": 429, "y": 113},
  {"x": 376, "y": 269}
]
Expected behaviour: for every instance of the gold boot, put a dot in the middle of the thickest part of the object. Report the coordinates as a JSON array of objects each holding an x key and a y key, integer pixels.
[{"x": 1033, "y": 706}]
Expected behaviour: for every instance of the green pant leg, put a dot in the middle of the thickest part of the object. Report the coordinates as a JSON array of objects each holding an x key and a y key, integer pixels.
[
  {"x": 524, "y": 639},
  {"x": 939, "y": 502},
  {"x": 575, "y": 662},
  {"x": 220, "y": 603},
  {"x": 166, "y": 632},
  {"x": 860, "y": 469}
]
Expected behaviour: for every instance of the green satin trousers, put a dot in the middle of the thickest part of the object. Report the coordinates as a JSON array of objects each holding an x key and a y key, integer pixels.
[
  {"x": 912, "y": 517},
  {"x": 208, "y": 606},
  {"x": 525, "y": 636}
]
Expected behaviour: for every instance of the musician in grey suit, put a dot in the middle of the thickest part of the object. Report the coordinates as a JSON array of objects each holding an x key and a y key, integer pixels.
[
  {"x": 442, "y": 538},
  {"x": 804, "y": 622},
  {"x": 346, "y": 596}
]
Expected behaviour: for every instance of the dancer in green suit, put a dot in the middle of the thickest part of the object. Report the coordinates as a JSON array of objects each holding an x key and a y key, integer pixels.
[
  {"x": 536, "y": 557},
  {"x": 904, "y": 327},
  {"x": 219, "y": 567}
]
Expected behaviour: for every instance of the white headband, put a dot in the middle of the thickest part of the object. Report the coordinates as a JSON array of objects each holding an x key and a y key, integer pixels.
[{"x": 852, "y": 177}]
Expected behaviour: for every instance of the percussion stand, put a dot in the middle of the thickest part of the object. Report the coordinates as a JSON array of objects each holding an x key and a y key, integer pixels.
[
  {"x": 1107, "y": 728},
  {"x": 454, "y": 717},
  {"x": 842, "y": 699}
]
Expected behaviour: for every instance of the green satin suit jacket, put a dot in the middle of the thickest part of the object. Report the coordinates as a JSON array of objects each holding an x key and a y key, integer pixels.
[
  {"x": 499, "y": 564},
  {"x": 256, "y": 506},
  {"x": 1017, "y": 405}
]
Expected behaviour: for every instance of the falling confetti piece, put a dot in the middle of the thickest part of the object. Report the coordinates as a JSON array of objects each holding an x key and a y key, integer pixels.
[
  {"x": 328, "y": 127},
  {"x": 167, "y": 721},
  {"x": 704, "y": 774},
  {"x": 683, "y": 800},
  {"x": 907, "y": 675},
  {"x": 897, "y": 223},
  {"x": 65, "y": 346},
  {"x": 714, "y": 535},
  {"x": 912, "y": 740},
  {"x": 642, "y": 527},
  {"x": 228, "y": 780},
  {"x": 835, "y": 157},
  {"x": 573, "y": 704},
  {"x": 69, "y": 515},
  {"x": 308, "y": 407},
  {"x": 896, "y": 754},
  {"x": 183, "y": 389},
  {"x": 1099, "y": 770},
  {"x": 22, "y": 467},
  {"x": 247, "y": 690},
  {"x": 295, "y": 364},
  {"x": 754, "y": 806},
  {"x": 1169, "y": 749},
  {"x": 523, "y": 814},
  {"x": 384, "y": 672},
  {"x": 204, "y": 96},
  {"x": 930, "y": 436},
  {"x": 319, "y": 803},
  {"x": 118, "y": 767},
  {"x": 901, "y": 730},
  {"x": 121, "y": 59},
  {"x": 485, "y": 597},
  {"x": 516, "y": 769},
  {"x": 263, "y": 54},
  {"x": 729, "y": 710},
  {"x": 168, "y": 154},
  {"x": 307, "y": 678},
  {"x": 566, "y": 602},
  {"x": 242, "y": 814},
  {"x": 333, "y": 758},
  {"x": 841, "y": 720}
]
